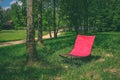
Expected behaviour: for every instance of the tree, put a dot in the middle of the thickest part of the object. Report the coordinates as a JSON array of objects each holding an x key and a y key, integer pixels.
[
  {"x": 15, "y": 15},
  {"x": 23, "y": 13},
  {"x": 5, "y": 18},
  {"x": 1, "y": 18},
  {"x": 73, "y": 12},
  {"x": 48, "y": 12},
  {"x": 40, "y": 22},
  {"x": 30, "y": 44},
  {"x": 54, "y": 18},
  {"x": 85, "y": 2}
]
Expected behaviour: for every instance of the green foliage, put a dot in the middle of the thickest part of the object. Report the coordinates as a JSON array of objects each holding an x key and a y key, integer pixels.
[
  {"x": 1, "y": 15},
  {"x": 18, "y": 15},
  {"x": 4, "y": 17},
  {"x": 96, "y": 15},
  {"x": 101, "y": 15},
  {"x": 103, "y": 65},
  {"x": 106, "y": 12},
  {"x": 72, "y": 10}
]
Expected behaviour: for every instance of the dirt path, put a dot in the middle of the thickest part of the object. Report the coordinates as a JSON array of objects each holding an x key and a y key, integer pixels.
[{"x": 23, "y": 41}]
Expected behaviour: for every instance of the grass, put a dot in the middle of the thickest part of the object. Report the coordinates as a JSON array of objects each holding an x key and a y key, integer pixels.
[
  {"x": 12, "y": 35},
  {"x": 103, "y": 65}
]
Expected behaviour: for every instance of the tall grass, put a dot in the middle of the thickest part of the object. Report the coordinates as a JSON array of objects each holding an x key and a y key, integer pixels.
[{"x": 102, "y": 65}]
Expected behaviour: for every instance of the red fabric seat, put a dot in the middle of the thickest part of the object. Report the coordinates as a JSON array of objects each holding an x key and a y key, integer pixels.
[{"x": 83, "y": 46}]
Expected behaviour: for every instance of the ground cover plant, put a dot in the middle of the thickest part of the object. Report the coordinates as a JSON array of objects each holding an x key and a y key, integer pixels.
[
  {"x": 10, "y": 35},
  {"x": 103, "y": 65}
]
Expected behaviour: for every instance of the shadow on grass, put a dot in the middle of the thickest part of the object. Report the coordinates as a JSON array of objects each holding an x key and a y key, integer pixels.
[
  {"x": 22, "y": 73},
  {"x": 60, "y": 42},
  {"x": 53, "y": 45},
  {"x": 79, "y": 61},
  {"x": 13, "y": 66},
  {"x": 13, "y": 61}
]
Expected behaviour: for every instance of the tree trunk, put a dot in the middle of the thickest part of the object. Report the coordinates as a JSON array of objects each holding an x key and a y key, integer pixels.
[
  {"x": 49, "y": 29},
  {"x": 54, "y": 18},
  {"x": 40, "y": 22},
  {"x": 85, "y": 16},
  {"x": 48, "y": 21},
  {"x": 30, "y": 41}
]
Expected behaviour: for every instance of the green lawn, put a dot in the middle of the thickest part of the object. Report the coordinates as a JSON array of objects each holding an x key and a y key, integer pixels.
[
  {"x": 11, "y": 35},
  {"x": 104, "y": 64}
]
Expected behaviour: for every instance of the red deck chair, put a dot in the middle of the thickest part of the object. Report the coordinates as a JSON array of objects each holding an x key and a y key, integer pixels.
[{"x": 82, "y": 47}]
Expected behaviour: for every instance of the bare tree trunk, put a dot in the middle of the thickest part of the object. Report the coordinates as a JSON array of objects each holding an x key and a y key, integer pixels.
[
  {"x": 40, "y": 22},
  {"x": 49, "y": 29},
  {"x": 54, "y": 17},
  {"x": 48, "y": 21},
  {"x": 30, "y": 41},
  {"x": 47, "y": 3},
  {"x": 85, "y": 16}
]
